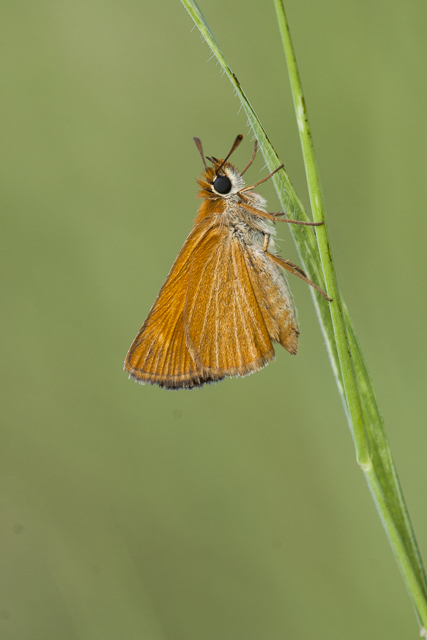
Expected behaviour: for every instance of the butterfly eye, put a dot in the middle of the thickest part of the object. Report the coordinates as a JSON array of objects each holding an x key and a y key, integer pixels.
[{"x": 222, "y": 184}]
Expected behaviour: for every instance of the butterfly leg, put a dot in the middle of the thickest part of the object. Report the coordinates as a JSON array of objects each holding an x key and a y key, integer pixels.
[
  {"x": 297, "y": 271},
  {"x": 274, "y": 217},
  {"x": 266, "y": 242},
  {"x": 301, "y": 222}
]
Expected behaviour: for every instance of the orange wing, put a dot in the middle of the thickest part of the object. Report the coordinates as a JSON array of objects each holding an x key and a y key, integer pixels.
[
  {"x": 216, "y": 315},
  {"x": 159, "y": 354},
  {"x": 224, "y": 327},
  {"x": 274, "y": 297}
]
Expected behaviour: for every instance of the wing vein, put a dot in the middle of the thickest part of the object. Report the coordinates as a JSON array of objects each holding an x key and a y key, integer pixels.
[{"x": 203, "y": 331}]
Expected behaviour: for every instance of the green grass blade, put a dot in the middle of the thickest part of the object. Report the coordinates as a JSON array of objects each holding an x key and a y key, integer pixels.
[
  {"x": 382, "y": 461},
  {"x": 347, "y": 360},
  {"x": 371, "y": 442},
  {"x": 351, "y": 392}
]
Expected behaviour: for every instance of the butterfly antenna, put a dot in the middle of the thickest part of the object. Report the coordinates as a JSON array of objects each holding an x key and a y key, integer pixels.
[
  {"x": 200, "y": 148},
  {"x": 236, "y": 143}
]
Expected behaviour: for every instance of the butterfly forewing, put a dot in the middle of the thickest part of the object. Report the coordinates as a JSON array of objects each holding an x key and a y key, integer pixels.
[
  {"x": 224, "y": 327},
  {"x": 159, "y": 354}
]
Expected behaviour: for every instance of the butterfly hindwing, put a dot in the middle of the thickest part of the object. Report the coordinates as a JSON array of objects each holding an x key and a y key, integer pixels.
[{"x": 274, "y": 297}]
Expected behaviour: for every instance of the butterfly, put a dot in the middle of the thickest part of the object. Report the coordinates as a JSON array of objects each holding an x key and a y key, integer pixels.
[{"x": 226, "y": 299}]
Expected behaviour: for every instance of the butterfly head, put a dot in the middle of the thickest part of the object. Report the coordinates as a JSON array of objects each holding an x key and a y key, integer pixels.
[{"x": 222, "y": 180}]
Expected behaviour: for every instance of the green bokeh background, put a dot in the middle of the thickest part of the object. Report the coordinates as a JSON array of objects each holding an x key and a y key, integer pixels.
[{"x": 235, "y": 512}]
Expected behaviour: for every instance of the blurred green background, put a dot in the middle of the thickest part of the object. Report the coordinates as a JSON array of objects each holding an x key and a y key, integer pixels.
[{"x": 235, "y": 512}]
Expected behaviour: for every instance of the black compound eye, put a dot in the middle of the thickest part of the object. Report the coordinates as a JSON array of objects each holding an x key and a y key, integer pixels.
[{"x": 222, "y": 184}]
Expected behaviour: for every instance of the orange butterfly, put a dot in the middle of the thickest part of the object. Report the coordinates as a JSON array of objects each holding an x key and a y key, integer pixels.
[{"x": 226, "y": 298}]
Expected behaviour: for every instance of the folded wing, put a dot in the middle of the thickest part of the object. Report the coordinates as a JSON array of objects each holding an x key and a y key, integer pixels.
[
  {"x": 222, "y": 305},
  {"x": 275, "y": 299},
  {"x": 225, "y": 330},
  {"x": 159, "y": 354}
]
